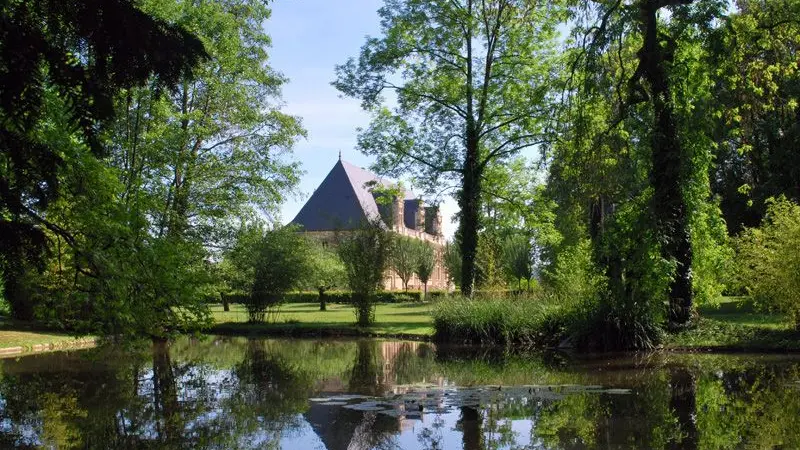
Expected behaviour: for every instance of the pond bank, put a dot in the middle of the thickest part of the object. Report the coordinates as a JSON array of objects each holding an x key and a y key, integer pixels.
[
  {"x": 729, "y": 328},
  {"x": 312, "y": 330},
  {"x": 732, "y": 326},
  {"x": 19, "y": 342}
]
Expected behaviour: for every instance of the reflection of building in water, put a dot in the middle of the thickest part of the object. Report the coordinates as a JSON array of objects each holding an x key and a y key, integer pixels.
[
  {"x": 380, "y": 368},
  {"x": 395, "y": 375},
  {"x": 396, "y": 358}
]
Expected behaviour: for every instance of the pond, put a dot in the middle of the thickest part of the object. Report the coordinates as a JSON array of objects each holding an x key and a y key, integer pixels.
[{"x": 223, "y": 392}]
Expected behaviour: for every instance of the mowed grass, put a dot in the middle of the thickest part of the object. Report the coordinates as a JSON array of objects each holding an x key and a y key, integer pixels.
[
  {"x": 390, "y": 319},
  {"x": 740, "y": 311},
  {"x": 736, "y": 325},
  {"x": 27, "y": 339}
]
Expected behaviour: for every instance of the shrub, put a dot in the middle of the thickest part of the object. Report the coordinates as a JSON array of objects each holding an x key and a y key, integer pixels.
[
  {"x": 573, "y": 277},
  {"x": 326, "y": 272},
  {"x": 365, "y": 253},
  {"x": 281, "y": 264},
  {"x": 403, "y": 257},
  {"x": 499, "y": 321},
  {"x": 769, "y": 259},
  {"x": 424, "y": 262}
]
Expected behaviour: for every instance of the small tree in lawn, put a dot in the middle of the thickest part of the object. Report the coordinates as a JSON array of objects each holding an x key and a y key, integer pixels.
[
  {"x": 325, "y": 272},
  {"x": 451, "y": 257},
  {"x": 404, "y": 258},
  {"x": 518, "y": 258},
  {"x": 365, "y": 253},
  {"x": 281, "y": 264},
  {"x": 425, "y": 262},
  {"x": 237, "y": 268}
]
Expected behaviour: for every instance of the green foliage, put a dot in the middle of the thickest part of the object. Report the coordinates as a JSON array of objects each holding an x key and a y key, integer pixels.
[
  {"x": 504, "y": 321},
  {"x": 451, "y": 258},
  {"x": 713, "y": 264},
  {"x": 215, "y": 150},
  {"x": 756, "y": 94},
  {"x": 574, "y": 277},
  {"x": 518, "y": 258},
  {"x": 326, "y": 271},
  {"x": 403, "y": 258},
  {"x": 237, "y": 268},
  {"x": 134, "y": 237},
  {"x": 53, "y": 101},
  {"x": 424, "y": 262},
  {"x": 120, "y": 47},
  {"x": 282, "y": 262},
  {"x": 769, "y": 259},
  {"x": 472, "y": 81},
  {"x": 365, "y": 252}
]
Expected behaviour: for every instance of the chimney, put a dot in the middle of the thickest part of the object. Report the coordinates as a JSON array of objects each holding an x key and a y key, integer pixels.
[
  {"x": 398, "y": 213},
  {"x": 433, "y": 220},
  {"x": 419, "y": 217}
]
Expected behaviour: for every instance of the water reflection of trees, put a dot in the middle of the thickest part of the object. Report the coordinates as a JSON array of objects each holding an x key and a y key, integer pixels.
[{"x": 251, "y": 393}]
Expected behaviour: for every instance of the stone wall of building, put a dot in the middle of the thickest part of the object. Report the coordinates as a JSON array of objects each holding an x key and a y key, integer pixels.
[{"x": 392, "y": 282}]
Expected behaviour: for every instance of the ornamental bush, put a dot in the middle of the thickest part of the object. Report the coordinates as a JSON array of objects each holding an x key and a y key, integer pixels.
[{"x": 769, "y": 259}]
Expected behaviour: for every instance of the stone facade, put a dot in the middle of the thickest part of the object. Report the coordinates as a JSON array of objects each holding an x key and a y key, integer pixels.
[{"x": 391, "y": 281}]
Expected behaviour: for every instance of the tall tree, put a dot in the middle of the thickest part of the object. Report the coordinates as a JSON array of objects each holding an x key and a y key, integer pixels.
[
  {"x": 665, "y": 88},
  {"x": 472, "y": 81},
  {"x": 85, "y": 51},
  {"x": 215, "y": 149},
  {"x": 757, "y": 89}
]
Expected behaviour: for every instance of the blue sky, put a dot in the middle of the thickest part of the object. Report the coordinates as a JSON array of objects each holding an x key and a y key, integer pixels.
[{"x": 309, "y": 37}]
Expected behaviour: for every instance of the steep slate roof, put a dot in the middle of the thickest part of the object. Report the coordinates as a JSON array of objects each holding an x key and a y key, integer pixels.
[{"x": 343, "y": 200}]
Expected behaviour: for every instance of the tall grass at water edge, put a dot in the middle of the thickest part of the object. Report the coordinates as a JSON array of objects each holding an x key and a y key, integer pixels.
[{"x": 526, "y": 322}]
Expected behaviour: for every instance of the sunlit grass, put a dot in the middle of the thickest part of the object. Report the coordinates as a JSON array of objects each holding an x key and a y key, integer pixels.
[
  {"x": 29, "y": 339},
  {"x": 390, "y": 318},
  {"x": 735, "y": 324}
]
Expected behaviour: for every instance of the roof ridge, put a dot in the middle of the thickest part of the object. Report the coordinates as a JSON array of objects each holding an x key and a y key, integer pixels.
[{"x": 408, "y": 194}]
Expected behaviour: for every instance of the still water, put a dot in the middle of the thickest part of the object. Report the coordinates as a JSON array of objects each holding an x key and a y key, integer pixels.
[{"x": 223, "y": 392}]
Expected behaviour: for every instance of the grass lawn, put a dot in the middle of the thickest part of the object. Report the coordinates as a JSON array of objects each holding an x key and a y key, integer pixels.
[
  {"x": 734, "y": 324},
  {"x": 390, "y": 319},
  {"x": 15, "y": 338}
]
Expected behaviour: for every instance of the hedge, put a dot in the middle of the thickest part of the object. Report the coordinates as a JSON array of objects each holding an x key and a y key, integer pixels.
[{"x": 344, "y": 296}]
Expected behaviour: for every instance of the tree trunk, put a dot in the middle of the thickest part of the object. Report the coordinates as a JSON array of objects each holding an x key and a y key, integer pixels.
[
  {"x": 471, "y": 424},
  {"x": 322, "y": 305},
  {"x": 683, "y": 401},
  {"x": 667, "y": 172},
  {"x": 469, "y": 201},
  {"x": 165, "y": 396},
  {"x": 16, "y": 289},
  {"x": 226, "y": 306},
  {"x": 363, "y": 305},
  {"x": 425, "y": 291}
]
